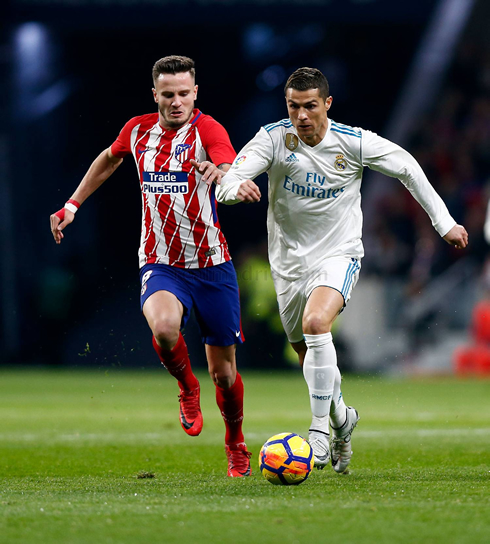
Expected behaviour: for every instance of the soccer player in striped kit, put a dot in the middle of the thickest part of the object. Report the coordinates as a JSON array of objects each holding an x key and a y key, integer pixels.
[
  {"x": 180, "y": 154},
  {"x": 314, "y": 225}
]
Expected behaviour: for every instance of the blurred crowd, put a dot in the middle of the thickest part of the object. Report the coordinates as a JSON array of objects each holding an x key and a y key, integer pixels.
[{"x": 452, "y": 144}]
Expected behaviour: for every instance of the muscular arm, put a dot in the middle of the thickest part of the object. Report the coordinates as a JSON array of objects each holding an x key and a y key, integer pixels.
[
  {"x": 100, "y": 170},
  {"x": 390, "y": 159}
]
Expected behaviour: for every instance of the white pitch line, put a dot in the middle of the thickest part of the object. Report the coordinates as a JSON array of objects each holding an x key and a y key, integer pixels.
[
  {"x": 163, "y": 436},
  {"x": 423, "y": 432},
  {"x": 406, "y": 432}
]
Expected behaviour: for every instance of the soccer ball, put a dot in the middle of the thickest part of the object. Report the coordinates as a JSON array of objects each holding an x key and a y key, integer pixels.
[{"x": 286, "y": 459}]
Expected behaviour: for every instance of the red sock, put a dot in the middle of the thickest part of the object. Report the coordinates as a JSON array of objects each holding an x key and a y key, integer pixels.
[
  {"x": 230, "y": 402},
  {"x": 177, "y": 362}
]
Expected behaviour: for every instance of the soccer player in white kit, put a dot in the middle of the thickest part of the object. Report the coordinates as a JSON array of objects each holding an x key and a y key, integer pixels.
[{"x": 314, "y": 227}]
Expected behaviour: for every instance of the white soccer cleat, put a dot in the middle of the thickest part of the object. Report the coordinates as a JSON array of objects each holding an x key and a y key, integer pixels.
[
  {"x": 341, "y": 442},
  {"x": 319, "y": 444}
]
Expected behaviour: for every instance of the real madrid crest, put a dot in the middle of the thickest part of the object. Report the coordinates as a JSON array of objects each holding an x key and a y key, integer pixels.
[
  {"x": 340, "y": 163},
  {"x": 291, "y": 141}
]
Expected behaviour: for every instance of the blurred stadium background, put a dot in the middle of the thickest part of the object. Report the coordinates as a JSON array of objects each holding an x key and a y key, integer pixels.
[{"x": 74, "y": 71}]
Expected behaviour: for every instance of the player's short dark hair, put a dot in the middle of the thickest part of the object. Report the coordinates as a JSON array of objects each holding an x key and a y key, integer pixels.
[
  {"x": 304, "y": 79},
  {"x": 173, "y": 64}
]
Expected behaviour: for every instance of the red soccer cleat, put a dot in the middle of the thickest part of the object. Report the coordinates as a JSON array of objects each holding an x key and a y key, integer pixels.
[
  {"x": 238, "y": 460},
  {"x": 190, "y": 411}
]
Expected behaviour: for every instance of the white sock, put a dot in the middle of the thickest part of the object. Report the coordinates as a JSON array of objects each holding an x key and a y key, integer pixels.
[
  {"x": 319, "y": 370},
  {"x": 338, "y": 409}
]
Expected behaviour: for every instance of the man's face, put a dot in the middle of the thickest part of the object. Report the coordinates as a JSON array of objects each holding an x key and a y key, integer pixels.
[
  {"x": 308, "y": 113},
  {"x": 175, "y": 95}
]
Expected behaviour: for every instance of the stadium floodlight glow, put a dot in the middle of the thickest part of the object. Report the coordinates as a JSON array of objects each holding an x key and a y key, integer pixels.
[
  {"x": 271, "y": 78},
  {"x": 34, "y": 72},
  {"x": 32, "y": 51}
]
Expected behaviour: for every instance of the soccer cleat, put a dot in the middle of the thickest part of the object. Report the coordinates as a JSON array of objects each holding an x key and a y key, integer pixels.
[
  {"x": 238, "y": 460},
  {"x": 341, "y": 442},
  {"x": 319, "y": 444},
  {"x": 190, "y": 411}
]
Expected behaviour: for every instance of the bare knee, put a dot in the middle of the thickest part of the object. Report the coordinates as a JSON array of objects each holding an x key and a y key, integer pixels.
[
  {"x": 166, "y": 332},
  {"x": 224, "y": 378},
  {"x": 163, "y": 312},
  {"x": 316, "y": 323},
  {"x": 222, "y": 365}
]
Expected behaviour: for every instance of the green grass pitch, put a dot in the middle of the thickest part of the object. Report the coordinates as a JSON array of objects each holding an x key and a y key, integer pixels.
[{"x": 72, "y": 445}]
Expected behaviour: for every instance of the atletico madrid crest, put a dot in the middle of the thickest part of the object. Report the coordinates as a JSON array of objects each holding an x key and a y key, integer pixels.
[{"x": 182, "y": 152}]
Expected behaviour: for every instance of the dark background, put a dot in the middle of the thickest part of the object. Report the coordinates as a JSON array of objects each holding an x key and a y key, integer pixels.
[{"x": 73, "y": 72}]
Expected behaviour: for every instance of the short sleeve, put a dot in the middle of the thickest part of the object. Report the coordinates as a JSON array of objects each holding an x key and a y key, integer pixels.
[
  {"x": 216, "y": 142},
  {"x": 122, "y": 146}
]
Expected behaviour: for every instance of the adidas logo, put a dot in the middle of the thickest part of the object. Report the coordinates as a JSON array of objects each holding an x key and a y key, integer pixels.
[{"x": 292, "y": 158}]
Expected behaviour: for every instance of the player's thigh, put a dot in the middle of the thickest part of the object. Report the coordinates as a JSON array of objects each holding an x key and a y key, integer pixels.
[
  {"x": 165, "y": 300},
  {"x": 291, "y": 300},
  {"x": 216, "y": 303},
  {"x": 163, "y": 308},
  {"x": 328, "y": 290},
  {"x": 321, "y": 310},
  {"x": 339, "y": 273}
]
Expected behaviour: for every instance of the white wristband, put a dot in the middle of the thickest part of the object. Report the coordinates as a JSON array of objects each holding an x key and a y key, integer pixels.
[{"x": 71, "y": 207}]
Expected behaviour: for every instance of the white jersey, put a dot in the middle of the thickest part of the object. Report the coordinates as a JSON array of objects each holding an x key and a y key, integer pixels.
[{"x": 314, "y": 192}]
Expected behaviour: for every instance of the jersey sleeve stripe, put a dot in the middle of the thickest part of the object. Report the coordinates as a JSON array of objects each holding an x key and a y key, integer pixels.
[
  {"x": 346, "y": 132},
  {"x": 286, "y": 123},
  {"x": 345, "y": 129}
]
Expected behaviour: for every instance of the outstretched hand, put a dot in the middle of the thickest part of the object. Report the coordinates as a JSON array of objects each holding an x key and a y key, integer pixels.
[
  {"x": 59, "y": 220},
  {"x": 457, "y": 237},
  {"x": 209, "y": 171}
]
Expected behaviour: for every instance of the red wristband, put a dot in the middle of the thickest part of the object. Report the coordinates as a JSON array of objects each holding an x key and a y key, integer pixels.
[
  {"x": 72, "y": 205},
  {"x": 74, "y": 202}
]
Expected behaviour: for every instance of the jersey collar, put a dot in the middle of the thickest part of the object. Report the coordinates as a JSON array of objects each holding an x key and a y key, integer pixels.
[
  {"x": 322, "y": 142},
  {"x": 195, "y": 116}
]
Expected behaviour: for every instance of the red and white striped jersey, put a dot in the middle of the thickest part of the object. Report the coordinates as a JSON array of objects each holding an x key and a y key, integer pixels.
[{"x": 180, "y": 225}]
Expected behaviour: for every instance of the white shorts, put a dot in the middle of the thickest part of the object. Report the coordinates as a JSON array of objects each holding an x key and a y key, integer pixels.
[{"x": 339, "y": 273}]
